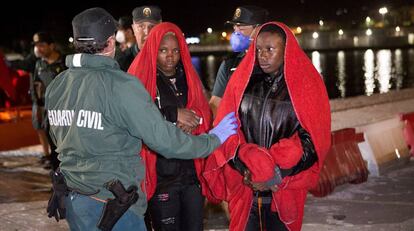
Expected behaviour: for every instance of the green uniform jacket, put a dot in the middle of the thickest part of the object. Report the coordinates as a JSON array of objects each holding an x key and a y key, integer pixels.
[{"x": 100, "y": 116}]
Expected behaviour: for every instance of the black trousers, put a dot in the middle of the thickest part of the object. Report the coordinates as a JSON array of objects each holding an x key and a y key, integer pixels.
[
  {"x": 54, "y": 161},
  {"x": 177, "y": 208},
  {"x": 266, "y": 219}
]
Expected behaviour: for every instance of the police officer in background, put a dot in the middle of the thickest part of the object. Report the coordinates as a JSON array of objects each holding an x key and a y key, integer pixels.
[
  {"x": 144, "y": 19},
  {"x": 245, "y": 21},
  {"x": 100, "y": 117},
  {"x": 47, "y": 67},
  {"x": 126, "y": 40}
]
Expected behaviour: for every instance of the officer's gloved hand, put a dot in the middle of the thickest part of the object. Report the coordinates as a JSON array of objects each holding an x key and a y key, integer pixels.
[
  {"x": 226, "y": 128},
  {"x": 56, "y": 205}
]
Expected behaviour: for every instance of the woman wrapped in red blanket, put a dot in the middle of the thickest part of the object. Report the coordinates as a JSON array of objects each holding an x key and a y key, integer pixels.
[{"x": 283, "y": 109}]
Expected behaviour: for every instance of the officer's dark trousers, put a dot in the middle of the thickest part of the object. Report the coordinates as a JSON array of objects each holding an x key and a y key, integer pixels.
[
  {"x": 178, "y": 208},
  {"x": 54, "y": 161},
  {"x": 268, "y": 220}
]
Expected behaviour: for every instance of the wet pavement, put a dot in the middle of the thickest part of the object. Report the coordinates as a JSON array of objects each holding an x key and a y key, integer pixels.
[
  {"x": 381, "y": 203},
  {"x": 23, "y": 179}
]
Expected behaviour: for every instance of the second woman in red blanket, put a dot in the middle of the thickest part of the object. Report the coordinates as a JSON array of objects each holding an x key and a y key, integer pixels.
[{"x": 174, "y": 187}]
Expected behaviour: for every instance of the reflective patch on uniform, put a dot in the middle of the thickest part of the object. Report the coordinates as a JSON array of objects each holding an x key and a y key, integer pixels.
[
  {"x": 60, "y": 117},
  {"x": 89, "y": 119},
  {"x": 163, "y": 197},
  {"x": 85, "y": 118},
  {"x": 168, "y": 221},
  {"x": 77, "y": 60}
]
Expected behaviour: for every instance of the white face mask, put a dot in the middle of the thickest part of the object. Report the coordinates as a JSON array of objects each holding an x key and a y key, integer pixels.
[
  {"x": 36, "y": 52},
  {"x": 120, "y": 36}
]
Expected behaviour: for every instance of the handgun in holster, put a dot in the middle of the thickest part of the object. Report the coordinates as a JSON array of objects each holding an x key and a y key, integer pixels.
[
  {"x": 56, "y": 205},
  {"x": 115, "y": 208}
]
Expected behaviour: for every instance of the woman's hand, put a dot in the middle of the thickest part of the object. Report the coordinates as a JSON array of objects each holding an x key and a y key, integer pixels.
[
  {"x": 185, "y": 128},
  {"x": 187, "y": 120},
  {"x": 257, "y": 186},
  {"x": 247, "y": 178}
]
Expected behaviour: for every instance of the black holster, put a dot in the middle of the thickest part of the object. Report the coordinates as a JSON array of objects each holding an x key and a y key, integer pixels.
[
  {"x": 56, "y": 205},
  {"x": 115, "y": 208}
]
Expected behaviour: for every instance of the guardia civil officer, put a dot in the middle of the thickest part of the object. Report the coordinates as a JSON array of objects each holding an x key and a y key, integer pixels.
[
  {"x": 47, "y": 67},
  {"x": 245, "y": 21},
  {"x": 144, "y": 18},
  {"x": 100, "y": 117}
]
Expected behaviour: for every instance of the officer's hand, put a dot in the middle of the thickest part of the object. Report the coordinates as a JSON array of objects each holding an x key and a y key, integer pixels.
[
  {"x": 187, "y": 117},
  {"x": 226, "y": 128}
]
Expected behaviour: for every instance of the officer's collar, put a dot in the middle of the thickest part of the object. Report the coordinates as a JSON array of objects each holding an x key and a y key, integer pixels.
[
  {"x": 241, "y": 54},
  {"x": 135, "y": 49},
  {"x": 90, "y": 60}
]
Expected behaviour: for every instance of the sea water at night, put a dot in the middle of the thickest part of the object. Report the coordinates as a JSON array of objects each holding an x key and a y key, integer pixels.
[{"x": 345, "y": 73}]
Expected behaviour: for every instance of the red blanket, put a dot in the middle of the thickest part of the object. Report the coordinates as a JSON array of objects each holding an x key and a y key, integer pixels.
[
  {"x": 6, "y": 79},
  {"x": 144, "y": 67},
  {"x": 311, "y": 105}
]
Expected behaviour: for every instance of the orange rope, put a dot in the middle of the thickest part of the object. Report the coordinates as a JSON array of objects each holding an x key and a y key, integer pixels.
[{"x": 259, "y": 202}]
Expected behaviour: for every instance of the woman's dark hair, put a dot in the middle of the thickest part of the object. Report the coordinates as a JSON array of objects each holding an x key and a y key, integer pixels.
[
  {"x": 274, "y": 29},
  {"x": 90, "y": 47}
]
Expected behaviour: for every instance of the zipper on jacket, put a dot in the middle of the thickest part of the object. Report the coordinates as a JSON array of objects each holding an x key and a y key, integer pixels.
[{"x": 261, "y": 127}]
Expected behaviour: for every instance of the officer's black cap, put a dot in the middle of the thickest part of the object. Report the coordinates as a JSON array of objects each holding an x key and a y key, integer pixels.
[
  {"x": 147, "y": 13},
  {"x": 43, "y": 37},
  {"x": 249, "y": 15},
  {"x": 124, "y": 22},
  {"x": 94, "y": 24}
]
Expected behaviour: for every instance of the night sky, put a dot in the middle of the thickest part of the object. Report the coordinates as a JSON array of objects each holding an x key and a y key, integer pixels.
[{"x": 19, "y": 20}]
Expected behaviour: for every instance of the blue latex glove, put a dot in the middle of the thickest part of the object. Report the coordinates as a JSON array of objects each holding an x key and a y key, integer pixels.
[{"x": 226, "y": 128}]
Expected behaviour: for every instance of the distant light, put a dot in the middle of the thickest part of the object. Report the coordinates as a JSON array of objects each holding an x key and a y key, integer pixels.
[
  {"x": 410, "y": 38},
  {"x": 192, "y": 40},
  {"x": 368, "y": 32},
  {"x": 340, "y": 32},
  {"x": 383, "y": 10},
  {"x": 367, "y": 19},
  {"x": 298, "y": 30},
  {"x": 209, "y": 30},
  {"x": 320, "y": 22},
  {"x": 315, "y": 35},
  {"x": 338, "y": 12},
  {"x": 71, "y": 39},
  {"x": 223, "y": 34},
  {"x": 397, "y": 29},
  {"x": 356, "y": 40}
]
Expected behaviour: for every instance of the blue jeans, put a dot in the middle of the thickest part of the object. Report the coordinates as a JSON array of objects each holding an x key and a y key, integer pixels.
[{"x": 83, "y": 213}]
